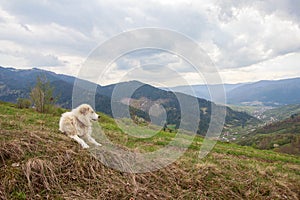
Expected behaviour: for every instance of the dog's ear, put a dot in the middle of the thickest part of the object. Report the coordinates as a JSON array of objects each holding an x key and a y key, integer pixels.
[{"x": 84, "y": 110}]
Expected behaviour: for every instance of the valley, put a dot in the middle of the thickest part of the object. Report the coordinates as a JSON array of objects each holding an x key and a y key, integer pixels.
[{"x": 242, "y": 120}]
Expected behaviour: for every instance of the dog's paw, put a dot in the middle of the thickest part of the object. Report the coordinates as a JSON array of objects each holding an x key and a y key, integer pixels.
[
  {"x": 99, "y": 145},
  {"x": 85, "y": 146}
]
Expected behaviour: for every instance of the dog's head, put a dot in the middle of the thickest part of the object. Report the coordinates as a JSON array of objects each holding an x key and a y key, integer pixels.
[{"x": 88, "y": 111}]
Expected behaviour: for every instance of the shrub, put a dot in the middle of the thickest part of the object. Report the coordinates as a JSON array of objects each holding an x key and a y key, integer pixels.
[
  {"x": 54, "y": 110},
  {"x": 23, "y": 103},
  {"x": 42, "y": 95}
]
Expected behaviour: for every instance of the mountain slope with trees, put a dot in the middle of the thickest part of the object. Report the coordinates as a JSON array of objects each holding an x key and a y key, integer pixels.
[
  {"x": 282, "y": 136},
  {"x": 272, "y": 93}
]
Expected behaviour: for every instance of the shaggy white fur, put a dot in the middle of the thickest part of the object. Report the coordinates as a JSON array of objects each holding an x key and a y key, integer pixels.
[{"x": 77, "y": 124}]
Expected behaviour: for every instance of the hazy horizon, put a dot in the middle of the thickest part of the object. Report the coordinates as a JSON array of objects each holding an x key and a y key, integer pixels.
[{"x": 10, "y": 67}]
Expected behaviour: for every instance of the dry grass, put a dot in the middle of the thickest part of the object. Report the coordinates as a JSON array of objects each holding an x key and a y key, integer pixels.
[
  {"x": 37, "y": 162},
  {"x": 36, "y": 168}
]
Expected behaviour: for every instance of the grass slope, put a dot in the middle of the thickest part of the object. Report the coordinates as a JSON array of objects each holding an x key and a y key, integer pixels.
[
  {"x": 282, "y": 136},
  {"x": 36, "y": 161}
]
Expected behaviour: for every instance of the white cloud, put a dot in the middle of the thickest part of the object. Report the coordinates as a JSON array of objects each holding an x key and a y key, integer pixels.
[
  {"x": 248, "y": 35},
  {"x": 239, "y": 36},
  {"x": 285, "y": 66}
]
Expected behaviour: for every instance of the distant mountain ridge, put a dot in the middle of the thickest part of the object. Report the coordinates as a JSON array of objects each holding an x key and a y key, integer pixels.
[
  {"x": 273, "y": 93},
  {"x": 202, "y": 91},
  {"x": 278, "y": 92},
  {"x": 18, "y": 83}
]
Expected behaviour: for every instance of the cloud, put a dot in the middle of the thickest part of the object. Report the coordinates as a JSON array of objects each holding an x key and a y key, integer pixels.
[
  {"x": 146, "y": 56},
  {"x": 45, "y": 60},
  {"x": 154, "y": 74},
  {"x": 247, "y": 32},
  {"x": 281, "y": 67},
  {"x": 237, "y": 35}
]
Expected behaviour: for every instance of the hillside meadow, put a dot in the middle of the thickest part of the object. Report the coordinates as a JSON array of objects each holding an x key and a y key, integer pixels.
[{"x": 38, "y": 162}]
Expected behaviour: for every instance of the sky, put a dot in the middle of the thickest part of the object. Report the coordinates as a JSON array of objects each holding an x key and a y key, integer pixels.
[{"x": 247, "y": 40}]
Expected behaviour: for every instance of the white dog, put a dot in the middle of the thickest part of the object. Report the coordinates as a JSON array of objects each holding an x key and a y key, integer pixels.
[{"x": 77, "y": 123}]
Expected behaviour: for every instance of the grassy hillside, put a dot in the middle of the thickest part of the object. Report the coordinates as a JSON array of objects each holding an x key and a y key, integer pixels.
[
  {"x": 281, "y": 113},
  {"x": 282, "y": 136},
  {"x": 36, "y": 161}
]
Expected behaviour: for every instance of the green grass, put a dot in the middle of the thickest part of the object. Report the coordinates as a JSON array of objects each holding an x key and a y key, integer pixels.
[
  {"x": 38, "y": 162},
  {"x": 161, "y": 139}
]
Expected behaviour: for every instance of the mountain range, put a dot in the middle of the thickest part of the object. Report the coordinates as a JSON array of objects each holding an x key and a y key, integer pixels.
[
  {"x": 267, "y": 93},
  {"x": 15, "y": 83}
]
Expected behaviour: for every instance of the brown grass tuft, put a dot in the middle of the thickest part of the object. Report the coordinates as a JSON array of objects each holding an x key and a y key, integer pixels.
[
  {"x": 10, "y": 151},
  {"x": 40, "y": 174}
]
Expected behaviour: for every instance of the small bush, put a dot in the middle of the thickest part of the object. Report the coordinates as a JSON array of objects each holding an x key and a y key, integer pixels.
[
  {"x": 54, "y": 110},
  {"x": 23, "y": 103}
]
